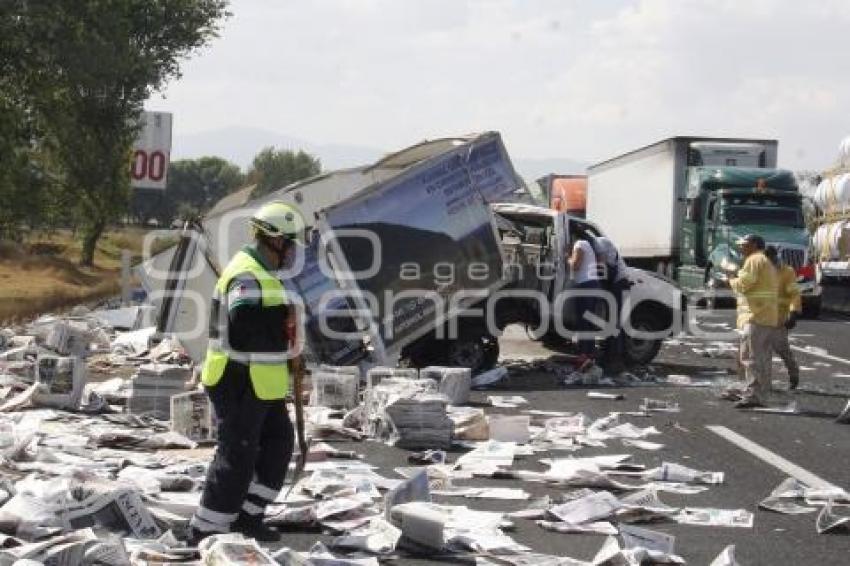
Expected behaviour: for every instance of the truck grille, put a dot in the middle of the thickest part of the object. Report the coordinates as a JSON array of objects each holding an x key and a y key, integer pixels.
[{"x": 795, "y": 257}]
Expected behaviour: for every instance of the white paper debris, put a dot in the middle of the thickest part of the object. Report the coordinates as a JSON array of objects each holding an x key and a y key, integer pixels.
[
  {"x": 660, "y": 406},
  {"x": 608, "y": 396},
  {"x": 507, "y": 401},
  {"x": 677, "y": 473},
  {"x": 829, "y": 521},
  {"x": 709, "y": 517},
  {"x": 599, "y": 505},
  {"x": 642, "y": 444},
  {"x": 636, "y": 537},
  {"x": 509, "y": 428},
  {"x": 726, "y": 557}
]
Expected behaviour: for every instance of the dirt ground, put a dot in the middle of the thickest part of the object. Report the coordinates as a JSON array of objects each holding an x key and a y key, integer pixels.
[{"x": 43, "y": 274}]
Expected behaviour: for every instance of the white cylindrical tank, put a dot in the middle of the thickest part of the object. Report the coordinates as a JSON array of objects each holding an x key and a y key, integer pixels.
[
  {"x": 844, "y": 152},
  {"x": 833, "y": 194},
  {"x": 831, "y": 241}
]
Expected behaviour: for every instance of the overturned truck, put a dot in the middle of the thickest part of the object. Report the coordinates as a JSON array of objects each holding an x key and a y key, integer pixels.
[{"x": 425, "y": 256}]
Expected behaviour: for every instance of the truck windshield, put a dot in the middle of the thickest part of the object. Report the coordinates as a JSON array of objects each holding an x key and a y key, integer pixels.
[{"x": 756, "y": 209}]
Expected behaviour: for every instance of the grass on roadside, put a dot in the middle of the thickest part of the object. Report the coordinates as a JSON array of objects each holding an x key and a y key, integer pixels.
[{"x": 43, "y": 274}]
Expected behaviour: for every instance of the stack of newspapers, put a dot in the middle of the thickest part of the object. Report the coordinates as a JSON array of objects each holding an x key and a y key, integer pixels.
[
  {"x": 420, "y": 421},
  {"x": 153, "y": 385}
]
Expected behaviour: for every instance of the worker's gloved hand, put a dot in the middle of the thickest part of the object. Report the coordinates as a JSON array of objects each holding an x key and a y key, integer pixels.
[{"x": 792, "y": 321}]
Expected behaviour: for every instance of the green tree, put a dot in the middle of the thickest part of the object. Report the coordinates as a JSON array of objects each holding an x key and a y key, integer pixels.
[
  {"x": 273, "y": 169},
  {"x": 21, "y": 181},
  {"x": 86, "y": 69},
  {"x": 195, "y": 185}
]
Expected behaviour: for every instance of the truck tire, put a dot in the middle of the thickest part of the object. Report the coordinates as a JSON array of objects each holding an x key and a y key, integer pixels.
[
  {"x": 811, "y": 307},
  {"x": 650, "y": 318},
  {"x": 478, "y": 351},
  {"x": 637, "y": 352}
]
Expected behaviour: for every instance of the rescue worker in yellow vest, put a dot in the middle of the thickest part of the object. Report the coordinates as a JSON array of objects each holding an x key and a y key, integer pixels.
[
  {"x": 789, "y": 309},
  {"x": 756, "y": 288},
  {"x": 246, "y": 375}
]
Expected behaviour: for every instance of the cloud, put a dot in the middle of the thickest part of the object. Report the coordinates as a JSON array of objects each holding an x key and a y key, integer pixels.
[{"x": 584, "y": 80}]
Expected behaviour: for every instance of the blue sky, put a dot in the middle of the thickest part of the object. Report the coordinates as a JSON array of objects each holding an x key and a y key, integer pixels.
[{"x": 573, "y": 79}]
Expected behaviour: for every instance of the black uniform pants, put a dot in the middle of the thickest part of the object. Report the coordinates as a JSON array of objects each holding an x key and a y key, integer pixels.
[
  {"x": 614, "y": 344},
  {"x": 255, "y": 443}
]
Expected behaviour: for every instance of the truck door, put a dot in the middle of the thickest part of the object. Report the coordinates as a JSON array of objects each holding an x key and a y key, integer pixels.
[
  {"x": 691, "y": 235},
  {"x": 709, "y": 226},
  {"x": 561, "y": 241}
]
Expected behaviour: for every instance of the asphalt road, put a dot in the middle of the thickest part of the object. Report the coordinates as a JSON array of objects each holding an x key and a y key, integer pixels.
[{"x": 810, "y": 439}]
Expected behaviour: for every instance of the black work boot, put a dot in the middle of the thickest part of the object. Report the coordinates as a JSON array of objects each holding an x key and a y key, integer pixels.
[
  {"x": 194, "y": 536},
  {"x": 795, "y": 381},
  {"x": 252, "y": 527}
]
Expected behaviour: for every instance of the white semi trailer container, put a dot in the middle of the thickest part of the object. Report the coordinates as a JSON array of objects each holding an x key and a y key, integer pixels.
[{"x": 639, "y": 197}]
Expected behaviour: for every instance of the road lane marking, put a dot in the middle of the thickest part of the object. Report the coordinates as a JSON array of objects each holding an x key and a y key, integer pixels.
[
  {"x": 821, "y": 355},
  {"x": 771, "y": 458}
]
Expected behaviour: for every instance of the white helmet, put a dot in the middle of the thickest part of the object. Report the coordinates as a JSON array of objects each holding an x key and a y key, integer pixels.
[{"x": 277, "y": 218}]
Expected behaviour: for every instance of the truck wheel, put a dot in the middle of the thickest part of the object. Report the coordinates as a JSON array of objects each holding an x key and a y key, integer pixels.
[
  {"x": 476, "y": 351},
  {"x": 811, "y": 308},
  {"x": 638, "y": 351}
]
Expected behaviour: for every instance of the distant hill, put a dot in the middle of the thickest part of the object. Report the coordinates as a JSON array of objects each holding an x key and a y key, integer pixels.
[{"x": 241, "y": 144}]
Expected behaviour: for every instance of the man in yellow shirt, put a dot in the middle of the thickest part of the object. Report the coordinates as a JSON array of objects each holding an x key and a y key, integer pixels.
[
  {"x": 756, "y": 287},
  {"x": 789, "y": 308}
]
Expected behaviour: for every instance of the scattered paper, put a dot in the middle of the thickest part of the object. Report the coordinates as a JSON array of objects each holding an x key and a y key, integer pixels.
[
  {"x": 656, "y": 405},
  {"x": 785, "y": 506},
  {"x": 421, "y": 523},
  {"x": 726, "y": 557},
  {"x": 599, "y": 505},
  {"x": 829, "y": 521},
  {"x": 678, "y": 473},
  {"x": 596, "y": 527},
  {"x": 608, "y": 396},
  {"x": 233, "y": 548},
  {"x": 505, "y": 493},
  {"x": 509, "y": 428},
  {"x": 642, "y": 444},
  {"x": 414, "y": 489},
  {"x": 377, "y": 537},
  {"x": 507, "y": 401},
  {"x": 709, "y": 517},
  {"x": 636, "y": 537},
  {"x": 780, "y": 499}
]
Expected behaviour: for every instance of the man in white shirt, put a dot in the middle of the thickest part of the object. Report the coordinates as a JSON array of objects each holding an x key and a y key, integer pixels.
[
  {"x": 615, "y": 280},
  {"x": 585, "y": 275}
]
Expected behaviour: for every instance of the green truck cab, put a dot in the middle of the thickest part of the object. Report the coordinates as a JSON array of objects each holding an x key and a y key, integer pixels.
[{"x": 725, "y": 203}]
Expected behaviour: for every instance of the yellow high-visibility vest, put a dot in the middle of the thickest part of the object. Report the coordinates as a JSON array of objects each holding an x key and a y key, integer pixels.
[{"x": 269, "y": 371}]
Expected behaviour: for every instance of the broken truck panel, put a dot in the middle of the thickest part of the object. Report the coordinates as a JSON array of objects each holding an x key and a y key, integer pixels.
[
  {"x": 428, "y": 206},
  {"x": 180, "y": 282},
  {"x": 434, "y": 237}
]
